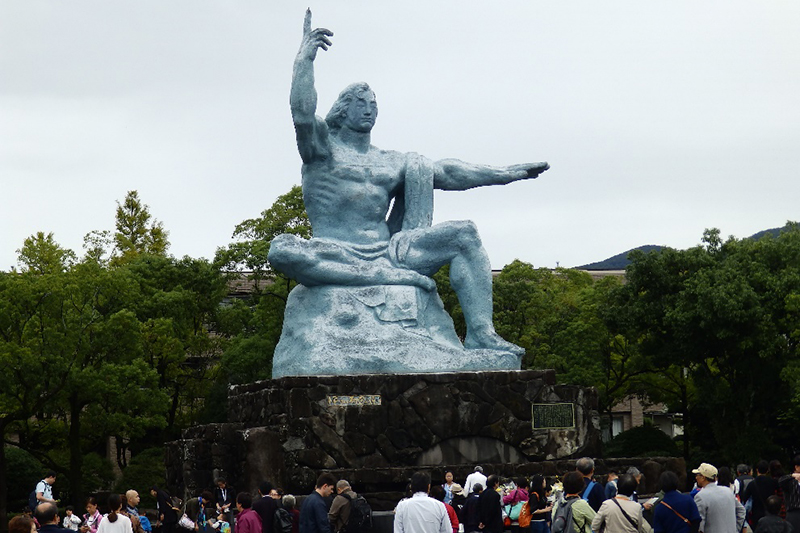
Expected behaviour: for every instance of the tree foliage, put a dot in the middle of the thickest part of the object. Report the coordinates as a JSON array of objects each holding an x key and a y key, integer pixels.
[
  {"x": 136, "y": 231},
  {"x": 94, "y": 349},
  {"x": 255, "y": 322}
]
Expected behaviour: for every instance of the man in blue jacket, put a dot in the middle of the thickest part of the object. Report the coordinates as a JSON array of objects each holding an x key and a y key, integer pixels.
[
  {"x": 314, "y": 512},
  {"x": 594, "y": 493}
]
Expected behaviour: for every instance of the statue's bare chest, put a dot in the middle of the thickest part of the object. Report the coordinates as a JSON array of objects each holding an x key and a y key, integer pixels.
[{"x": 375, "y": 168}]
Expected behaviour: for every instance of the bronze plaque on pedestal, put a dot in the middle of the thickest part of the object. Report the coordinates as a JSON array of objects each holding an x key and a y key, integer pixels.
[{"x": 553, "y": 415}]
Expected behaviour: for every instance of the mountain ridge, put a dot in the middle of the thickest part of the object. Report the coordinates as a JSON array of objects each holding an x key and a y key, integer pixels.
[{"x": 620, "y": 260}]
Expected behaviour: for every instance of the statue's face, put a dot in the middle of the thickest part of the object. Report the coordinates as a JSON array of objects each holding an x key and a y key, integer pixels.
[{"x": 362, "y": 112}]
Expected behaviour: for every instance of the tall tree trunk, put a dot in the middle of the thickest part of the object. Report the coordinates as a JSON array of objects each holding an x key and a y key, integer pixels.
[{"x": 75, "y": 454}]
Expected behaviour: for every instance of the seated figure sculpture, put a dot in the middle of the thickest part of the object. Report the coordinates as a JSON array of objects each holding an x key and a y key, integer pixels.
[{"x": 366, "y": 302}]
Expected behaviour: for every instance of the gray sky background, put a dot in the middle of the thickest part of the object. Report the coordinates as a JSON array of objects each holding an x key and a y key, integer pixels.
[{"x": 659, "y": 119}]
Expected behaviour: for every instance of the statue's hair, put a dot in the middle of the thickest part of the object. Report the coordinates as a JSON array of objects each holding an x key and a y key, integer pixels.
[{"x": 339, "y": 108}]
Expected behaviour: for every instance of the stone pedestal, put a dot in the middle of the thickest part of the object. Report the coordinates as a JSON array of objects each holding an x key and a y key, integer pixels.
[
  {"x": 382, "y": 329},
  {"x": 376, "y": 430}
]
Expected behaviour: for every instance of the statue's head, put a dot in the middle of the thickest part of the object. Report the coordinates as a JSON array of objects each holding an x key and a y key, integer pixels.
[{"x": 355, "y": 108}]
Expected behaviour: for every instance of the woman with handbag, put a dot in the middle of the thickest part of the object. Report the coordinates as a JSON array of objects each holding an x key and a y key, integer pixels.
[{"x": 513, "y": 502}]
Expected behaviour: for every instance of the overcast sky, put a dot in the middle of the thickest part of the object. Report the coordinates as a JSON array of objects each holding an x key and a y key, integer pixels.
[{"x": 659, "y": 119}]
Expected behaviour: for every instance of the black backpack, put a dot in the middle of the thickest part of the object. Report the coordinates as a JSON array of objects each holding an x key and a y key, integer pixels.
[
  {"x": 282, "y": 521},
  {"x": 360, "y": 520},
  {"x": 33, "y": 501}
]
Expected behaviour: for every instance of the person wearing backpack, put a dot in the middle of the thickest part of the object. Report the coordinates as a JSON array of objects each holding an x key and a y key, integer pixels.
[
  {"x": 573, "y": 514},
  {"x": 265, "y": 506},
  {"x": 593, "y": 492},
  {"x": 43, "y": 493},
  {"x": 339, "y": 513},
  {"x": 619, "y": 514},
  {"x": 757, "y": 492},
  {"x": 289, "y": 503}
]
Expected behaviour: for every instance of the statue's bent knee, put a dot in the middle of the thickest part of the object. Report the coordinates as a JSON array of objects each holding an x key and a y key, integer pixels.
[{"x": 466, "y": 235}]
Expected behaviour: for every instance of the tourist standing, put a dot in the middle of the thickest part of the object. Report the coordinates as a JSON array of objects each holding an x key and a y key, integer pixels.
[
  {"x": 167, "y": 516},
  {"x": 265, "y": 506},
  {"x": 716, "y": 504},
  {"x": 247, "y": 521},
  {"x": 514, "y": 500},
  {"x": 339, "y": 513},
  {"x": 290, "y": 505},
  {"x": 421, "y": 513},
  {"x": 790, "y": 485},
  {"x": 620, "y": 514},
  {"x": 490, "y": 509},
  {"x": 223, "y": 495},
  {"x": 611, "y": 484},
  {"x": 539, "y": 507},
  {"x": 772, "y": 522},
  {"x": 761, "y": 488},
  {"x": 676, "y": 512},
  {"x": 593, "y": 491},
  {"x": 459, "y": 498},
  {"x": 314, "y": 511},
  {"x": 71, "y": 521},
  {"x": 448, "y": 487},
  {"x": 744, "y": 476},
  {"x": 47, "y": 516},
  {"x": 475, "y": 477},
  {"x": 582, "y": 512},
  {"x": 22, "y": 524},
  {"x": 114, "y": 521},
  {"x": 437, "y": 493},
  {"x": 92, "y": 517},
  {"x": 469, "y": 513},
  {"x": 44, "y": 489}
]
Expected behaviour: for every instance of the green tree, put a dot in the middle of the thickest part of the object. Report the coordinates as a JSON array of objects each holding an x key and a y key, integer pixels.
[
  {"x": 255, "y": 322},
  {"x": 41, "y": 254},
  {"x": 722, "y": 315},
  {"x": 135, "y": 232}
]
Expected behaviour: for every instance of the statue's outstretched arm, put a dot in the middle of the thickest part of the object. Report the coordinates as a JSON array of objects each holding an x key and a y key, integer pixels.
[
  {"x": 311, "y": 131},
  {"x": 455, "y": 175}
]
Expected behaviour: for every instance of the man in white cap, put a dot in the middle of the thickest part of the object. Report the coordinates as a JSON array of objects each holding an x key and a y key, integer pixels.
[{"x": 719, "y": 512}]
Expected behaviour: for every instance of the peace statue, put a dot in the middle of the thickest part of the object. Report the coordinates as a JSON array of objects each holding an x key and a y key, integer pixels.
[{"x": 366, "y": 302}]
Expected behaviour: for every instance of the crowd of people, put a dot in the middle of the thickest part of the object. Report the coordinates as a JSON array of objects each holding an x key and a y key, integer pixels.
[
  {"x": 719, "y": 502},
  {"x": 578, "y": 503}
]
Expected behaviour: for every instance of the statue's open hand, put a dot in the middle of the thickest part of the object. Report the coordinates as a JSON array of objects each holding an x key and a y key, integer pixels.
[
  {"x": 313, "y": 40},
  {"x": 526, "y": 171}
]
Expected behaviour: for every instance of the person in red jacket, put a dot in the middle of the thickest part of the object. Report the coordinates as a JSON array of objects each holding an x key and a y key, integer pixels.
[
  {"x": 248, "y": 520},
  {"x": 438, "y": 492}
]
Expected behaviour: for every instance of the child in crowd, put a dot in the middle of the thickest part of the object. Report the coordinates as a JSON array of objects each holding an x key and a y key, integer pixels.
[{"x": 71, "y": 521}]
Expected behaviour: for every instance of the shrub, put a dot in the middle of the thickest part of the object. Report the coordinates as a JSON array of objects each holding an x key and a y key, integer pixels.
[{"x": 642, "y": 441}]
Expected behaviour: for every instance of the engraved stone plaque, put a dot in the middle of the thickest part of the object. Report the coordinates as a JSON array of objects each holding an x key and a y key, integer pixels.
[
  {"x": 347, "y": 401},
  {"x": 553, "y": 415}
]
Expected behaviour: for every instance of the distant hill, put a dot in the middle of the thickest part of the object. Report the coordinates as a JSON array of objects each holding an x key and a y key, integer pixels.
[
  {"x": 774, "y": 232},
  {"x": 620, "y": 261}
]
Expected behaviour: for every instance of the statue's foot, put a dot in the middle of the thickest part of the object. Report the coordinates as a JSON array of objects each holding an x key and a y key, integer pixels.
[{"x": 488, "y": 339}]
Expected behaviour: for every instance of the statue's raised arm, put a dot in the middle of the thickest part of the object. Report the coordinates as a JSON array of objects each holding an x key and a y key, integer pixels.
[{"x": 312, "y": 133}]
